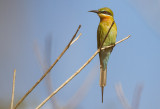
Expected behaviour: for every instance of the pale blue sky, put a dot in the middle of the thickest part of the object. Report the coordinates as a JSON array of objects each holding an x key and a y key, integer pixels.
[{"x": 132, "y": 62}]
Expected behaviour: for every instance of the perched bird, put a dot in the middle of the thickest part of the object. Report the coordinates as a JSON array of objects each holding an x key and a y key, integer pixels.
[{"x": 106, "y": 19}]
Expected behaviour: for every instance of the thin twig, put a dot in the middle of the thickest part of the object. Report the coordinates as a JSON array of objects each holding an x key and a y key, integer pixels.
[
  {"x": 13, "y": 88},
  {"x": 76, "y": 39},
  {"x": 121, "y": 96},
  {"x": 77, "y": 72},
  {"x": 48, "y": 69}
]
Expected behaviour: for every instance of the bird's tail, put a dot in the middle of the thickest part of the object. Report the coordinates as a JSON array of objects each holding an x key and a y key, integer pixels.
[
  {"x": 103, "y": 77},
  {"x": 104, "y": 56}
]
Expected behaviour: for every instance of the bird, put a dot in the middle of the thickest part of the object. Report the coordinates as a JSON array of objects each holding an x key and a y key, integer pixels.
[{"x": 106, "y": 19}]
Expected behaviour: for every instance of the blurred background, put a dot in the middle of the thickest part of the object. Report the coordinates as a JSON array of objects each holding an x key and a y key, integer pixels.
[{"x": 34, "y": 33}]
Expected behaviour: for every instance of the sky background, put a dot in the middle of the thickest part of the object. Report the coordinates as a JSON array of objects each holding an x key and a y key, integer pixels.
[{"x": 26, "y": 24}]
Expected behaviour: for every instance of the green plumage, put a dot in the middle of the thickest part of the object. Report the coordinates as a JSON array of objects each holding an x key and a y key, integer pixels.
[{"x": 111, "y": 39}]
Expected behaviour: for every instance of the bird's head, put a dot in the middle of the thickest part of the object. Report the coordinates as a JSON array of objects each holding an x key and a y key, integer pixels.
[{"x": 103, "y": 12}]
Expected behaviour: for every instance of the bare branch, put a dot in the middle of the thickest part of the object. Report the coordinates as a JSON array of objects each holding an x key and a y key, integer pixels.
[
  {"x": 77, "y": 72},
  {"x": 48, "y": 69},
  {"x": 13, "y": 89}
]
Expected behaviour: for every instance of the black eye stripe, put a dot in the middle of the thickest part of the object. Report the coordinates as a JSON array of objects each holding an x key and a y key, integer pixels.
[{"x": 106, "y": 12}]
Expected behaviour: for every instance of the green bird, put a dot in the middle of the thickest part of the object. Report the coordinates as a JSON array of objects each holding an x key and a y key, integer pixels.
[{"x": 106, "y": 19}]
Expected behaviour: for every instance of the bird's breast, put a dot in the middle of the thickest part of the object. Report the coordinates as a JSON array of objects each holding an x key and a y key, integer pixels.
[{"x": 102, "y": 31}]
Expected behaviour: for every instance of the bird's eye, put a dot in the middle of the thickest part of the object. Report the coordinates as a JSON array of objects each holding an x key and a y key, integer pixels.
[{"x": 106, "y": 12}]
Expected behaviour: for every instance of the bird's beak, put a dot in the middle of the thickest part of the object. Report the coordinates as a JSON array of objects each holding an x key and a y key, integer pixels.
[{"x": 95, "y": 11}]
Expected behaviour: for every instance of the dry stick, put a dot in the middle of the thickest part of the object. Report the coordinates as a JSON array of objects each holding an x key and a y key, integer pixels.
[
  {"x": 77, "y": 72},
  {"x": 13, "y": 88},
  {"x": 48, "y": 69}
]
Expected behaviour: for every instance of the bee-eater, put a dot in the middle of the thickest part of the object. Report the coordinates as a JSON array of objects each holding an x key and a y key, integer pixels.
[{"x": 106, "y": 19}]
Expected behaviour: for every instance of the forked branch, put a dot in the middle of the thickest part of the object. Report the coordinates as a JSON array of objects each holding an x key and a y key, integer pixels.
[
  {"x": 66, "y": 48},
  {"x": 76, "y": 38}
]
